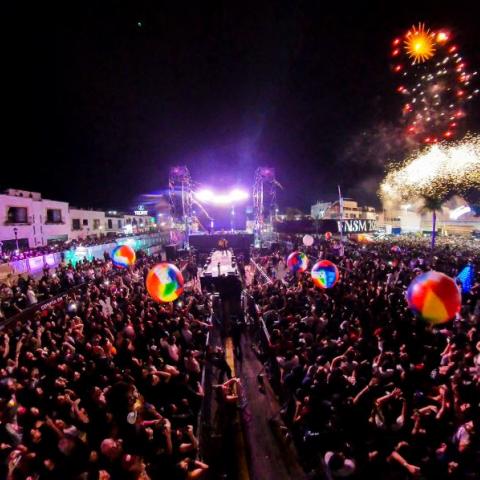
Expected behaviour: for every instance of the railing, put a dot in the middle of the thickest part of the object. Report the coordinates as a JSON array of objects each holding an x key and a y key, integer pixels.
[
  {"x": 33, "y": 265},
  {"x": 43, "y": 307},
  {"x": 203, "y": 417},
  {"x": 262, "y": 272}
]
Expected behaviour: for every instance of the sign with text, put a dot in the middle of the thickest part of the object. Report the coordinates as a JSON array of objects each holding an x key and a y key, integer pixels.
[
  {"x": 310, "y": 226},
  {"x": 356, "y": 226},
  {"x": 140, "y": 211}
]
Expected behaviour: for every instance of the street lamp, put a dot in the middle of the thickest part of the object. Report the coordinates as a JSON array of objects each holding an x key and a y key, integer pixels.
[{"x": 15, "y": 232}]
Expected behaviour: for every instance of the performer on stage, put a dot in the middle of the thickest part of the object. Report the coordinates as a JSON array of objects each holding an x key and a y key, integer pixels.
[{"x": 223, "y": 245}]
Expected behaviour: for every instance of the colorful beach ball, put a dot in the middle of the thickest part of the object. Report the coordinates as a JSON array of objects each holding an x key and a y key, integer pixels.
[
  {"x": 297, "y": 262},
  {"x": 395, "y": 249},
  {"x": 123, "y": 256},
  {"x": 328, "y": 235},
  {"x": 308, "y": 240},
  {"x": 434, "y": 296},
  {"x": 325, "y": 274},
  {"x": 164, "y": 282}
]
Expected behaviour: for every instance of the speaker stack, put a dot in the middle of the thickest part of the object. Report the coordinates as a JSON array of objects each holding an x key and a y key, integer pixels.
[{"x": 171, "y": 252}]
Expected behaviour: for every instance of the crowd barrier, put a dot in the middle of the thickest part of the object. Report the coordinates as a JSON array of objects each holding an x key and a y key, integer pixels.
[
  {"x": 151, "y": 243},
  {"x": 43, "y": 307}
]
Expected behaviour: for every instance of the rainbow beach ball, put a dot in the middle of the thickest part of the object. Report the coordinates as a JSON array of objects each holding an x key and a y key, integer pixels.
[
  {"x": 164, "y": 282},
  {"x": 123, "y": 256},
  {"x": 297, "y": 262},
  {"x": 325, "y": 274},
  {"x": 434, "y": 296}
]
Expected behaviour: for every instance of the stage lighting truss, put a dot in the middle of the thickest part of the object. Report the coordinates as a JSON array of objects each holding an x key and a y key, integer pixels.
[
  {"x": 180, "y": 183},
  {"x": 264, "y": 199}
]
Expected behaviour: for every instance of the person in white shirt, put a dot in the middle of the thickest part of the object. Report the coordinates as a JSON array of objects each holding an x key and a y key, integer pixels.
[{"x": 32, "y": 298}]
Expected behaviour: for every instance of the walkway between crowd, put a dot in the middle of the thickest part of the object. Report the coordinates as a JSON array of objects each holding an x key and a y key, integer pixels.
[{"x": 270, "y": 454}]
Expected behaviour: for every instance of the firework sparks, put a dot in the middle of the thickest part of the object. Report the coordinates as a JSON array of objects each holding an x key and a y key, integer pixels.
[
  {"x": 419, "y": 43},
  {"x": 437, "y": 172},
  {"x": 435, "y": 82}
]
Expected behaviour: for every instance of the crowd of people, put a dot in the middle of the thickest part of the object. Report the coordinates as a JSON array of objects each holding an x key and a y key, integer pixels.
[
  {"x": 368, "y": 390},
  {"x": 106, "y": 385},
  {"x": 59, "y": 246}
]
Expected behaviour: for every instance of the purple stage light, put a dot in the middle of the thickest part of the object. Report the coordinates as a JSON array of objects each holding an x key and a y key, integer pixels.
[{"x": 234, "y": 196}]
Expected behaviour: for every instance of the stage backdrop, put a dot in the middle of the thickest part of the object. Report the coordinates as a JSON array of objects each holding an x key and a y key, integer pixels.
[{"x": 240, "y": 242}]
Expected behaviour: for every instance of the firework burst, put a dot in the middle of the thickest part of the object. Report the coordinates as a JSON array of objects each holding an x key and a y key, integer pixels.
[
  {"x": 437, "y": 172},
  {"x": 434, "y": 82},
  {"x": 420, "y": 44}
]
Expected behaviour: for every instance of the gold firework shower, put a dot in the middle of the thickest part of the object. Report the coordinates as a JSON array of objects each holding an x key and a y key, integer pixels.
[
  {"x": 420, "y": 43},
  {"x": 436, "y": 172}
]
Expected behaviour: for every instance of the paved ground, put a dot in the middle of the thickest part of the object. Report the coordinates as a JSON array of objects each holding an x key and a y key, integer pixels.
[{"x": 270, "y": 456}]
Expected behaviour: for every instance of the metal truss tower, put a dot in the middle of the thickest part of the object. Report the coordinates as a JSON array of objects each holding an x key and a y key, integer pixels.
[
  {"x": 180, "y": 182},
  {"x": 264, "y": 200}
]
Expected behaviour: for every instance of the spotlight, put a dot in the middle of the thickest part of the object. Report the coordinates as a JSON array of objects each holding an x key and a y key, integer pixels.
[{"x": 208, "y": 196}]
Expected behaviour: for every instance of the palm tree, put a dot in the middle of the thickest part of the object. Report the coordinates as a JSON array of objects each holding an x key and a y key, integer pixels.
[{"x": 433, "y": 205}]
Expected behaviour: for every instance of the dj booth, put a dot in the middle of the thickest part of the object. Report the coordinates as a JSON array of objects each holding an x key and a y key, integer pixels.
[
  {"x": 221, "y": 274},
  {"x": 238, "y": 242}
]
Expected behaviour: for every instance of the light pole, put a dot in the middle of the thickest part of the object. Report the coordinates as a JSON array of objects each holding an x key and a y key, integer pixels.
[{"x": 15, "y": 232}]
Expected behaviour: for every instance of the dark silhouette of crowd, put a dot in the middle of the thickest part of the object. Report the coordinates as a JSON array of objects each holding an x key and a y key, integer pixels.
[
  {"x": 368, "y": 390},
  {"x": 106, "y": 385},
  {"x": 58, "y": 246}
]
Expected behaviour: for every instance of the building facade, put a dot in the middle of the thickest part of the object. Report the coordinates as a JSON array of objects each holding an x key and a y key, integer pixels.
[
  {"x": 455, "y": 218},
  {"x": 351, "y": 210},
  {"x": 86, "y": 223},
  {"x": 27, "y": 221}
]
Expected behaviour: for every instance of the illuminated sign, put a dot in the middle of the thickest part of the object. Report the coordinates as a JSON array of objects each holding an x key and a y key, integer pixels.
[
  {"x": 307, "y": 225},
  {"x": 356, "y": 226},
  {"x": 141, "y": 211},
  {"x": 458, "y": 212}
]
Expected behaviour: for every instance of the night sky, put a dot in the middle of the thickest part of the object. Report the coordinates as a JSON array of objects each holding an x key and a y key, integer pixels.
[{"x": 104, "y": 97}]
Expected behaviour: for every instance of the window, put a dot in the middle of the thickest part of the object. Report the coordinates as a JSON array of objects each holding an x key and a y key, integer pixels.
[
  {"x": 54, "y": 215},
  {"x": 119, "y": 224},
  {"x": 96, "y": 223},
  {"x": 85, "y": 221},
  {"x": 110, "y": 224},
  {"x": 17, "y": 215},
  {"x": 76, "y": 224}
]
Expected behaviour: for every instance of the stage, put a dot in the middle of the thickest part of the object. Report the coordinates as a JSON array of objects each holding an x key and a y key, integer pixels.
[
  {"x": 221, "y": 264},
  {"x": 239, "y": 242},
  {"x": 221, "y": 273}
]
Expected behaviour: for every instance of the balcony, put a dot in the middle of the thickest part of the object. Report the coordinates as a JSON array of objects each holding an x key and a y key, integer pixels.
[{"x": 9, "y": 223}]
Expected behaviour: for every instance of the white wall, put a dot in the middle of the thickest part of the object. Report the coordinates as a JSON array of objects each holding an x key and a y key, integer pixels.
[
  {"x": 36, "y": 230},
  {"x": 86, "y": 230},
  {"x": 50, "y": 231},
  {"x": 115, "y": 226}
]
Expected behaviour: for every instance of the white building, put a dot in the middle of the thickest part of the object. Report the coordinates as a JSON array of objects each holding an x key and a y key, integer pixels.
[
  {"x": 31, "y": 220},
  {"x": 351, "y": 210},
  {"x": 114, "y": 222},
  {"x": 86, "y": 223},
  {"x": 455, "y": 218}
]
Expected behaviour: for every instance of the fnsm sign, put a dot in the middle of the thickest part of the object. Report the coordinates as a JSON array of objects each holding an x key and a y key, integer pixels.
[
  {"x": 310, "y": 226},
  {"x": 356, "y": 226}
]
